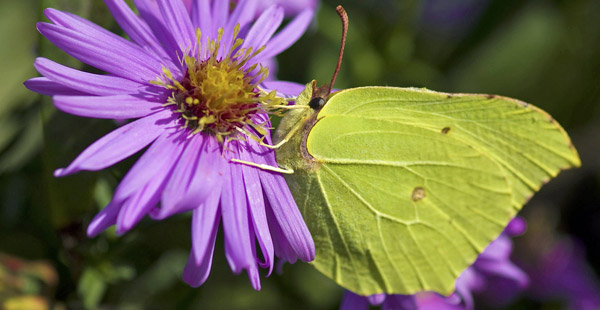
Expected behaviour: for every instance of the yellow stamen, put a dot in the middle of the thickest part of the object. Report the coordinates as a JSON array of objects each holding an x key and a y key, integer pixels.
[{"x": 219, "y": 94}]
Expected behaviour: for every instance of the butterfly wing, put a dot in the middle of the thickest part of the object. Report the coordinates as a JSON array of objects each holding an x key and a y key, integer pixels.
[
  {"x": 406, "y": 187},
  {"x": 526, "y": 141}
]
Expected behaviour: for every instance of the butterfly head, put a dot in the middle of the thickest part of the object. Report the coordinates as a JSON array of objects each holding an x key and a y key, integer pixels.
[{"x": 316, "y": 103}]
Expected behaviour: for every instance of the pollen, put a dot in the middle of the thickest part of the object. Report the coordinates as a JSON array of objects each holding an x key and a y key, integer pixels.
[{"x": 219, "y": 94}]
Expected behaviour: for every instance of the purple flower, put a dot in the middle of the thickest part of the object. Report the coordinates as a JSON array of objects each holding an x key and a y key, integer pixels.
[
  {"x": 492, "y": 274},
  {"x": 451, "y": 19},
  {"x": 563, "y": 274},
  {"x": 352, "y": 301},
  {"x": 190, "y": 79}
]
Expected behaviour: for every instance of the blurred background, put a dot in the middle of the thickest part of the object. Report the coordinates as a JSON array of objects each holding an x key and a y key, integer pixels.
[{"x": 545, "y": 52}]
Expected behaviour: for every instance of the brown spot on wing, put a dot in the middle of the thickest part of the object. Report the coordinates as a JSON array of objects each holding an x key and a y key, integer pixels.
[{"x": 418, "y": 193}]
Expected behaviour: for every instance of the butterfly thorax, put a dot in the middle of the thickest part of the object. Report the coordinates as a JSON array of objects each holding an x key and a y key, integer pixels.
[{"x": 297, "y": 123}]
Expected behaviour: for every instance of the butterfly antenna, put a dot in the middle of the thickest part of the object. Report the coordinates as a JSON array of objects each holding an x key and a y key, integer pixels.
[{"x": 344, "y": 17}]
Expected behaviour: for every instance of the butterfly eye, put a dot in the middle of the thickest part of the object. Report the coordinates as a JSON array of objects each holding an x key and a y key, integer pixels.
[{"x": 316, "y": 103}]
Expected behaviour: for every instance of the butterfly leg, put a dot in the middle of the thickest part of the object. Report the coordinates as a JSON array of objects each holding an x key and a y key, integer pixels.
[
  {"x": 260, "y": 141},
  {"x": 262, "y": 166},
  {"x": 286, "y": 99},
  {"x": 272, "y": 147},
  {"x": 290, "y": 107}
]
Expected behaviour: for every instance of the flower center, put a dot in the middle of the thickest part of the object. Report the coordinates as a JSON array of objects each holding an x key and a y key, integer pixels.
[{"x": 219, "y": 94}]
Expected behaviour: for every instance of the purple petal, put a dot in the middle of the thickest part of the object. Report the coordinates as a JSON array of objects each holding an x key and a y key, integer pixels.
[
  {"x": 87, "y": 28},
  {"x": 201, "y": 16},
  {"x": 376, "y": 300},
  {"x": 516, "y": 226},
  {"x": 195, "y": 274},
  {"x": 194, "y": 178},
  {"x": 254, "y": 277},
  {"x": 465, "y": 284},
  {"x": 177, "y": 22},
  {"x": 504, "y": 269},
  {"x": 128, "y": 207},
  {"x": 238, "y": 238},
  {"x": 499, "y": 250},
  {"x": 400, "y": 302},
  {"x": 205, "y": 224},
  {"x": 564, "y": 273},
  {"x": 256, "y": 202},
  {"x": 205, "y": 221},
  {"x": 136, "y": 186},
  {"x": 134, "y": 27},
  {"x": 288, "y": 36},
  {"x": 45, "y": 86},
  {"x": 94, "y": 84},
  {"x": 112, "y": 107},
  {"x": 503, "y": 283},
  {"x": 433, "y": 301},
  {"x": 272, "y": 66},
  {"x": 158, "y": 160},
  {"x": 106, "y": 218},
  {"x": 243, "y": 14},
  {"x": 352, "y": 301},
  {"x": 220, "y": 13},
  {"x": 264, "y": 27},
  {"x": 282, "y": 246},
  {"x": 135, "y": 208},
  {"x": 82, "y": 25},
  {"x": 113, "y": 56},
  {"x": 282, "y": 212},
  {"x": 286, "y": 212},
  {"x": 188, "y": 5},
  {"x": 117, "y": 145},
  {"x": 292, "y": 7},
  {"x": 283, "y": 88},
  {"x": 151, "y": 15}
]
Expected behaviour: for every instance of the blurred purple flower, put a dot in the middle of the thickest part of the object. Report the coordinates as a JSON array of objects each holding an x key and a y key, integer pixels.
[
  {"x": 190, "y": 79},
  {"x": 492, "y": 274},
  {"x": 451, "y": 19},
  {"x": 352, "y": 301},
  {"x": 563, "y": 274}
]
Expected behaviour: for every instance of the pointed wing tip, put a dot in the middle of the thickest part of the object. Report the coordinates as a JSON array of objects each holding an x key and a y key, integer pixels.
[{"x": 576, "y": 160}]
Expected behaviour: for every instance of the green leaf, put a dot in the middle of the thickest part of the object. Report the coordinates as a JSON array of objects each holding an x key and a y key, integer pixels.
[
  {"x": 92, "y": 286},
  {"x": 17, "y": 30},
  {"x": 103, "y": 192},
  {"x": 25, "y": 145},
  {"x": 402, "y": 188}
]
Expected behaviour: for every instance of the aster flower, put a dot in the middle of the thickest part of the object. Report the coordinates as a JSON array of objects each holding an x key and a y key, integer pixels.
[
  {"x": 492, "y": 274},
  {"x": 194, "y": 81}
]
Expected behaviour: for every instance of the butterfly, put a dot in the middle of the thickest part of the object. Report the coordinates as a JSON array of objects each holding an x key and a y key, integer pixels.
[{"x": 402, "y": 188}]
